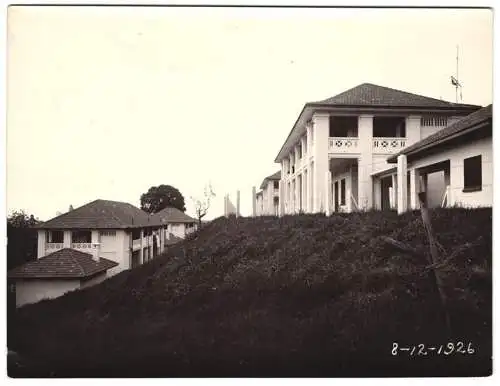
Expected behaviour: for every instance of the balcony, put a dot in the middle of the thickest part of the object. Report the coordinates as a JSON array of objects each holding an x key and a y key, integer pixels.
[
  {"x": 52, "y": 247},
  {"x": 387, "y": 145},
  {"x": 343, "y": 145},
  {"x": 84, "y": 247}
]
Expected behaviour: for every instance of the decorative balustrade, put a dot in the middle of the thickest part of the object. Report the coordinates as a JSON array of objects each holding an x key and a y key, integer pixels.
[
  {"x": 54, "y": 246},
  {"x": 343, "y": 144},
  {"x": 81, "y": 245},
  {"x": 388, "y": 145}
]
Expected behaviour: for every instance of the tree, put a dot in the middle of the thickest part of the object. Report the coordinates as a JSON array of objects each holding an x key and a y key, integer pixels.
[
  {"x": 22, "y": 239},
  {"x": 160, "y": 197},
  {"x": 202, "y": 205}
]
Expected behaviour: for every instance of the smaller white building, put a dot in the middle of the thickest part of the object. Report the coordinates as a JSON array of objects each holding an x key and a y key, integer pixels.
[
  {"x": 266, "y": 201},
  {"x": 175, "y": 223},
  {"x": 462, "y": 153},
  {"x": 58, "y": 273}
]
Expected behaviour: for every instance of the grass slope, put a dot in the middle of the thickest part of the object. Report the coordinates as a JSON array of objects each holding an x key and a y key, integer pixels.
[{"x": 303, "y": 295}]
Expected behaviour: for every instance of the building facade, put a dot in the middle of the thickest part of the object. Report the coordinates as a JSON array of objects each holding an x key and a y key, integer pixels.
[
  {"x": 335, "y": 157},
  {"x": 266, "y": 201}
]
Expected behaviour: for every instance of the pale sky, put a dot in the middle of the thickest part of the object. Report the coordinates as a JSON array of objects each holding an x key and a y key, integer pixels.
[{"x": 107, "y": 102}]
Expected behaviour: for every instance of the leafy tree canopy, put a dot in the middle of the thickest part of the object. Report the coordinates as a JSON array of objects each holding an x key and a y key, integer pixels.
[
  {"x": 21, "y": 238},
  {"x": 160, "y": 197}
]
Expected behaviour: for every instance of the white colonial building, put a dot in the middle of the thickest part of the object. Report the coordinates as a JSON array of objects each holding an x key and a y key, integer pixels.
[
  {"x": 266, "y": 201},
  {"x": 88, "y": 244},
  {"x": 336, "y": 156}
]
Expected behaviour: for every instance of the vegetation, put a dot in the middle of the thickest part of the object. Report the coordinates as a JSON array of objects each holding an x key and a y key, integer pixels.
[
  {"x": 21, "y": 238},
  {"x": 159, "y": 197},
  {"x": 303, "y": 295},
  {"x": 202, "y": 205}
]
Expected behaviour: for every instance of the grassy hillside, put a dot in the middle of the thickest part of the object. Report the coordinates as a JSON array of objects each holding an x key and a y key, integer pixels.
[{"x": 299, "y": 295}]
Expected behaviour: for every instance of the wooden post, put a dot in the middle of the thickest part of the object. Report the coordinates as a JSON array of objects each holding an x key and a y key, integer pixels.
[{"x": 434, "y": 257}]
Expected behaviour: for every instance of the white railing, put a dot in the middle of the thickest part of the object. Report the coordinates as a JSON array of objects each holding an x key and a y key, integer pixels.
[
  {"x": 53, "y": 246},
  {"x": 81, "y": 245},
  {"x": 343, "y": 144},
  {"x": 388, "y": 145}
]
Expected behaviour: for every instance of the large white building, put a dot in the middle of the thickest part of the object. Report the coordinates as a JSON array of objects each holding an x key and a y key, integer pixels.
[
  {"x": 88, "y": 244},
  {"x": 267, "y": 199},
  {"x": 336, "y": 156}
]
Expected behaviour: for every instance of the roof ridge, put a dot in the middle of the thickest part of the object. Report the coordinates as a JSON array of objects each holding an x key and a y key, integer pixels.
[{"x": 82, "y": 270}]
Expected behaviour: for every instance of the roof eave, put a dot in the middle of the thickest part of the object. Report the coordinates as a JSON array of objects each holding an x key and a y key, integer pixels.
[{"x": 394, "y": 158}]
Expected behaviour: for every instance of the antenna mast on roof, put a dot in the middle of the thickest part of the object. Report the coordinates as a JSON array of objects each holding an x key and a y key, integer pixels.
[{"x": 456, "y": 83}]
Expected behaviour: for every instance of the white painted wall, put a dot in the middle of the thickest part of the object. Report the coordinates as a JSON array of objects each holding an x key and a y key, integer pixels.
[
  {"x": 32, "y": 291},
  {"x": 483, "y": 147},
  {"x": 93, "y": 281}
]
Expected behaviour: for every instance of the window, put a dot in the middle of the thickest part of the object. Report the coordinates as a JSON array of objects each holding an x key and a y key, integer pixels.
[
  {"x": 55, "y": 236},
  {"x": 342, "y": 192},
  {"x": 108, "y": 233},
  {"x": 389, "y": 127},
  {"x": 276, "y": 184},
  {"x": 434, "y": 121},
  {"x": 136, "y": 234},
  {"x": 343, "y": 126},
  {"x": 81, "y": 237},
  {"x": 472, "y": 174}
]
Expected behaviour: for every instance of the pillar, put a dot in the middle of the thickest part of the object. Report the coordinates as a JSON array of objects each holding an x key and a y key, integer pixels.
[
  {"x": 414, "y": 188},
  {"x": 394, "y": 190},
  {"x": 309, "y": 138},
  {"x": 67, "y": 239},
  {"x": 365, "y": 161},
  {"x": 321, "y": 134},
  {"x": 377, "y": 193},
  {"x": 141, "y": 251},
  {"x": 237, "y": 203},
  {"x": 402, "y": 184},
  {"x": 281, "y": 202},
  {"x": 42, "y": 239},
  {"x": 254, "y": 202},
  {"x": 412, "y": 130},
  {"x": 96, "y": 244},
  {"x": 328, "y": 183}
]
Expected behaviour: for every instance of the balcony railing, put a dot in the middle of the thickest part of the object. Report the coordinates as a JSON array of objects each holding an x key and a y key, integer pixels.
[
  {"x": 388, "y": 145},
  {"x": 54, "y": 246},
  {"x": 81, "y": 245},
  {"x": 343, "y": 144}
]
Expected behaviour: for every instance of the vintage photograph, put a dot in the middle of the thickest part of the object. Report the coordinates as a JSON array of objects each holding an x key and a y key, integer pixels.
[{"x": 249, "y": 192}]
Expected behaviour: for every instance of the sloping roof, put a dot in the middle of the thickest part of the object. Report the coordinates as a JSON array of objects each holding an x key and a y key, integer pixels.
[
  {"x": 173, "y": 239},
  {"x": 101, "y": 214},
  {"x": 172, "y": 215},
  {"x": 477, "y": 119},
  {"x": 273, "y": 177},
  {"x": 371, "y": 96},
  {"x": 64, "y": 263},
  {"x": 368, "y": 94}
]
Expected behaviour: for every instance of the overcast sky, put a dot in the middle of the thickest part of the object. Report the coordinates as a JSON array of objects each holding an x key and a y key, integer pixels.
[{"x": 107, "y": 102}]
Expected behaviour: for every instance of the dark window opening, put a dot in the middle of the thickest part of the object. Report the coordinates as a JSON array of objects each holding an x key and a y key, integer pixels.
[
  {"x": 343, "y": 126},
  {"x": 136, "y": 234},
  {"x": 55, "y": 236},
  {"x": 472, "y": 174},
  {"x": 276, "y": 184},
  {"x": 81, "y": 237},
  {"x": 342, "y": 192},
  {"x": 389, "y": 127}
]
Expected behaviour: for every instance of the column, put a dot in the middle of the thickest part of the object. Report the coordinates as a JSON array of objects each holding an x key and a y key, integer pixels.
[
  {"x": 348, "y": 193},
  {"x": 281, "y": 203},
  {"x": 270, "y": 198},
  {"x": 377, "y": 193},
  {"x": 67, "y": 239},
  {"x": 237, "y": 203},
  {"x": 365, "y": 161},
  {"x": 141, "y": 252},
  {"x": 394, "y": 190},
  {"x": 96, "y": 244},
  {"x": 42, "y": 239},
  {"x": 310, "y": 176},
  {"x": 412, "y": 130},
  {"x": 254, "y": 203},
  {"x": 309, "y": 139},
  {"x": 447, "y": 183},
  {"x": 321, "y": 130},
  {"x": 402, "y": 184},
  {"x": 414, "y": 188},
  {"x": 328, "y": 182},
  {"x": 305, "y": 191},
  {"x": 303, "y": 147}
]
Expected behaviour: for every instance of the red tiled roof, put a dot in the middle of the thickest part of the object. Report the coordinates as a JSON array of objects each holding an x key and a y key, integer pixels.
[
  {"x": 64, "y": 263},
  {"x": 172, "y": 215},
  {"x": 373, "y": 97},
  {"x": 368, "y": 94},
  {"x": 101, "y": 214},
  {"x": 479, "y": 118},
  {"x": 273, "y": 177}
]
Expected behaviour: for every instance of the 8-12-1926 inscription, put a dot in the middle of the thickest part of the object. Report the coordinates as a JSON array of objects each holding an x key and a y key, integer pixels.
[{"x": 449, "y": 348}]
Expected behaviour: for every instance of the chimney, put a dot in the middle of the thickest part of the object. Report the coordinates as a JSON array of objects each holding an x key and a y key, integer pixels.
[{"x": 96, "y": 252}]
